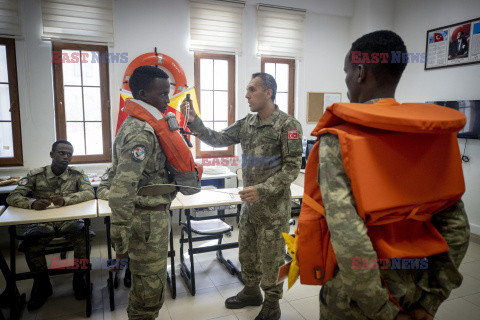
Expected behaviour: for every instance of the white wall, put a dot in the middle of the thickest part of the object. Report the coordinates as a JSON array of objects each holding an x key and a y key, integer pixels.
[{"x": 412, "y": 19}]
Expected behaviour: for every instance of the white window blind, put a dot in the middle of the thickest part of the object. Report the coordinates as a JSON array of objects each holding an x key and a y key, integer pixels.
[
  {"x": 87, "y": 21},
  {"x": 280, "y": 31},
  {"x": 9, "y": 25},
  {"x": 216, "y": 26}
]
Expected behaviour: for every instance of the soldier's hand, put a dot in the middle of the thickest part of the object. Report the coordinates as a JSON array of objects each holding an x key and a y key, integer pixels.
[
  {"x": 402, "y": 316},
  {"x": 187, "y": 111},
  {"x": 57, "y": 200},
  {"x": 41, "y": 204},
  {"x": 249, "y": 194},
  {"x": 420, "y": 314}
]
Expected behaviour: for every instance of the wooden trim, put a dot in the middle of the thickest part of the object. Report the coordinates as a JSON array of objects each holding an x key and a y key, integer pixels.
[
  {"x": 104, "y": 96},
  {"x": 231, "y": 99},
  {"x": 291, "y": 79},
  {"x": 17, "y": 159}
]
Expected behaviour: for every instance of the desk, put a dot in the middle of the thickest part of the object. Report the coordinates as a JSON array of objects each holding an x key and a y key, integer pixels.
[
  {"x": 105, "y": 212},
  {"x": 217, "y": 180},
  {"x": 17, "y": 216}
]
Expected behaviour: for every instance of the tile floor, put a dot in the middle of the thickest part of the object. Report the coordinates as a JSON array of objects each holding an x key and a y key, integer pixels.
[{"x": 214, "y": 285}]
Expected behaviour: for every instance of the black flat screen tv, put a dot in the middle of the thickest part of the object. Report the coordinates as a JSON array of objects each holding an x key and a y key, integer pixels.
[{"x": 471, "y": 109}]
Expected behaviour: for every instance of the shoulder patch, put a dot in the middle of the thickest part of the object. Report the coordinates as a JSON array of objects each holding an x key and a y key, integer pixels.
[
  {"x": 23, "y": 182},
  {"x": 85, "y": 177},
  {"x": 36, "y": 171},
  {"x": 148, "y": 127},
  {"x": 105, "y": 176},
  {"x": 139, "y": 152},
  {"x": 292, "y": 134}
]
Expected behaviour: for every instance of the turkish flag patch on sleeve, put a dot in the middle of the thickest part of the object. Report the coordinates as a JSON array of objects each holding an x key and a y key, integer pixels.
[{"x": 292, "y": 134}]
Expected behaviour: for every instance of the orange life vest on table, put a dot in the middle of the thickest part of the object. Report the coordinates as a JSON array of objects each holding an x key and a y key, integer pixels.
[
  {"x": 173, "y": 144},
  {"x": 404, "y": 165}
]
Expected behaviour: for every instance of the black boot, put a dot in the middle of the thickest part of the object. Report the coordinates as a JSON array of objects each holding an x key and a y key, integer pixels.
[
  {"x": 79, "y": 286},
  {"x": 127, "y": 280},
  {"x": 249, "y": 296},
  {"x": 41, "y": 290},
  {"x": 270, "y": 311}
]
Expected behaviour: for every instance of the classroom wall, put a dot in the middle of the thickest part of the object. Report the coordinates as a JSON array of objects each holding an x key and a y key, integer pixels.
[{"x": 412, "y": 19}]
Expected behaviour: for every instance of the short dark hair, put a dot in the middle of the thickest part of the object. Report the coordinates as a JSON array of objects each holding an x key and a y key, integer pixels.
[
  {"x": 143, "y": 76},
  {"x": 56, "y": 143},
  {"x": 268, "y": 82},
  {"x": 382, "y": 41},
  {"x": 461, "y": 31}
]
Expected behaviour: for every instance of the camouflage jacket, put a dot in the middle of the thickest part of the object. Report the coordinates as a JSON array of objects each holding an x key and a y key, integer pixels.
[
  {"x": 138, "y": 160},
  {"x": 73, "y": 185},
  {"x": 271, "y": 152},
  {"x": 103, "y": 189},
  {"x": 425, "y": 287}
]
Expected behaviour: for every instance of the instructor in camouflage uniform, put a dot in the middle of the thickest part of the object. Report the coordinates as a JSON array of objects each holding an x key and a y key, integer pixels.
[
  {"x": 140, "y": 222},
  {"x": 359, "y": 293},
  {"x": 59, "y": 185},
  {"x": 272, "y": 154}
]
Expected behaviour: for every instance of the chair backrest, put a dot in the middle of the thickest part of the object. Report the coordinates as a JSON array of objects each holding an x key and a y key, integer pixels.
[{"x": 239, "y": 177}]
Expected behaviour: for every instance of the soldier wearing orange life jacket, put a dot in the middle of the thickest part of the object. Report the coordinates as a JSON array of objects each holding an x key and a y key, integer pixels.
[{"x": 389, "y": 189}]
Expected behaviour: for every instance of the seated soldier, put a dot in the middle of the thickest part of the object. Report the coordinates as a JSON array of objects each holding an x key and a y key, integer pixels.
[
  {"x": 102, "y": 193},
  {"x": 58, "y": 185}
]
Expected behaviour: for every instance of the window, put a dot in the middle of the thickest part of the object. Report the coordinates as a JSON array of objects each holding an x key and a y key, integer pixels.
[
  {"x": 82, "y": 106},
  {"x": 283, "y": 70},
  {"x": 215, "y": 88},
  {"x": 10, "y": 133}
]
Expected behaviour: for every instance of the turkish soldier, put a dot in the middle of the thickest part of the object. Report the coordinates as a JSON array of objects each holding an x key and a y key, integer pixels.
[
  {"x": 140, "y": 222},
  {"x": 272, "y": 155},
  {"x": 58, "y": 185}
]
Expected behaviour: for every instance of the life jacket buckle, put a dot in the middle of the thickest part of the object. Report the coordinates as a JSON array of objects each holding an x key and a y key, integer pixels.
[{"x": 318, "y": 274}]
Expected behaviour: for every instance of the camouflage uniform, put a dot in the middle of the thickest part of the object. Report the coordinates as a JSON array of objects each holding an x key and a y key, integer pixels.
[
  {"x": 74, "y": 187},
  {"x": 103, "y": 189},
  {"x": 359, "y": 293},
  {"x": 137, "y": 227},
  {"x": 271, "y": 162}
]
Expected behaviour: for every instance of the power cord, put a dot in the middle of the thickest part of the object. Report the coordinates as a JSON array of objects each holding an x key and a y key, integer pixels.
[{"x": 465, "y": 158}]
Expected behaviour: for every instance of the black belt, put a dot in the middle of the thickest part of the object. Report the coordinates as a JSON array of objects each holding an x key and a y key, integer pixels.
[{"x": 160, "y": 207}]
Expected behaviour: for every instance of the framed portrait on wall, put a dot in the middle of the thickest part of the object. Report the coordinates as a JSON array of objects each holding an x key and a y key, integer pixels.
[{"x": 453, "y": 45}]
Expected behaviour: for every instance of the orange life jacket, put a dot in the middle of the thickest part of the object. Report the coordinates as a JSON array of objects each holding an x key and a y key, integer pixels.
[
  {"x": 173, "y": 144},
  {"x": 404, "y": 166}
]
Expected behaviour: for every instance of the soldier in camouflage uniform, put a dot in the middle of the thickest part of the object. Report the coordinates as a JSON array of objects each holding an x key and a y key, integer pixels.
[
  {"x": 358, "y": 293},
  {"x": 272, "y": 154},
  {"x": 140, "y": 223},
  {"x": 59, "y": 185}
]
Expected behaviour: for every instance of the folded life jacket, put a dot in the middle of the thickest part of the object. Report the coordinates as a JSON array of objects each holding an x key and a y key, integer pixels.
[
  {"x": 185, "y": 171},
  {"x": 404, "y": 166}
]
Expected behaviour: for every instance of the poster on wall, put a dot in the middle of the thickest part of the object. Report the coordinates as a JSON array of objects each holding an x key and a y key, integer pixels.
[{"x": 453, "y": 45}]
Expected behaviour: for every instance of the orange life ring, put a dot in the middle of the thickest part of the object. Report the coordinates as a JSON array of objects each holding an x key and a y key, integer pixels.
[{"x": 158, "y": 59}]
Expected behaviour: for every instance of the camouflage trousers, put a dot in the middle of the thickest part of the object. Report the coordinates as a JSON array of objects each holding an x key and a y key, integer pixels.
[
  {"x": 148, "y": 250},
  {"x": 261, "y": 254},
  {"x": 34, "y": 248}
]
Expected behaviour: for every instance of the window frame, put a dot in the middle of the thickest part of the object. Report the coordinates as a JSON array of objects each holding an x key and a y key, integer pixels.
[
  {"x": 230, "y": 152},
  {"x": 60, "y": 121},
  {"x": 291, "y": 79},
  {"x": 17, "y": 159}
]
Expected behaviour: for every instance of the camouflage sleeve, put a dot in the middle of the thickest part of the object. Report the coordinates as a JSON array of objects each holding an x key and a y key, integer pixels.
[
  {"x": 18, "y": 198},
  {"x": 125, "y": 183},
  {"x": 443, "y": 275},
  {"x": 85, "y": 191},
  {"x": 103, "y": 189},
  {"x": 224, "y": 138},
  {"x": 291, "y": 160},
  {"x": 349, "y": 235}
]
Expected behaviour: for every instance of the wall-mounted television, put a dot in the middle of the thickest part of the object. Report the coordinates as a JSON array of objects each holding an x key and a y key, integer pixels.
[{"x": 471, "y": 109}]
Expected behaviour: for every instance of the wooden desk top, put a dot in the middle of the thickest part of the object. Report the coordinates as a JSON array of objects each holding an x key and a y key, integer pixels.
[
  {"x": 297, "y": 191},
  {"x": 210, "y": 198},
  {"x": 83, "y": 210}
]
